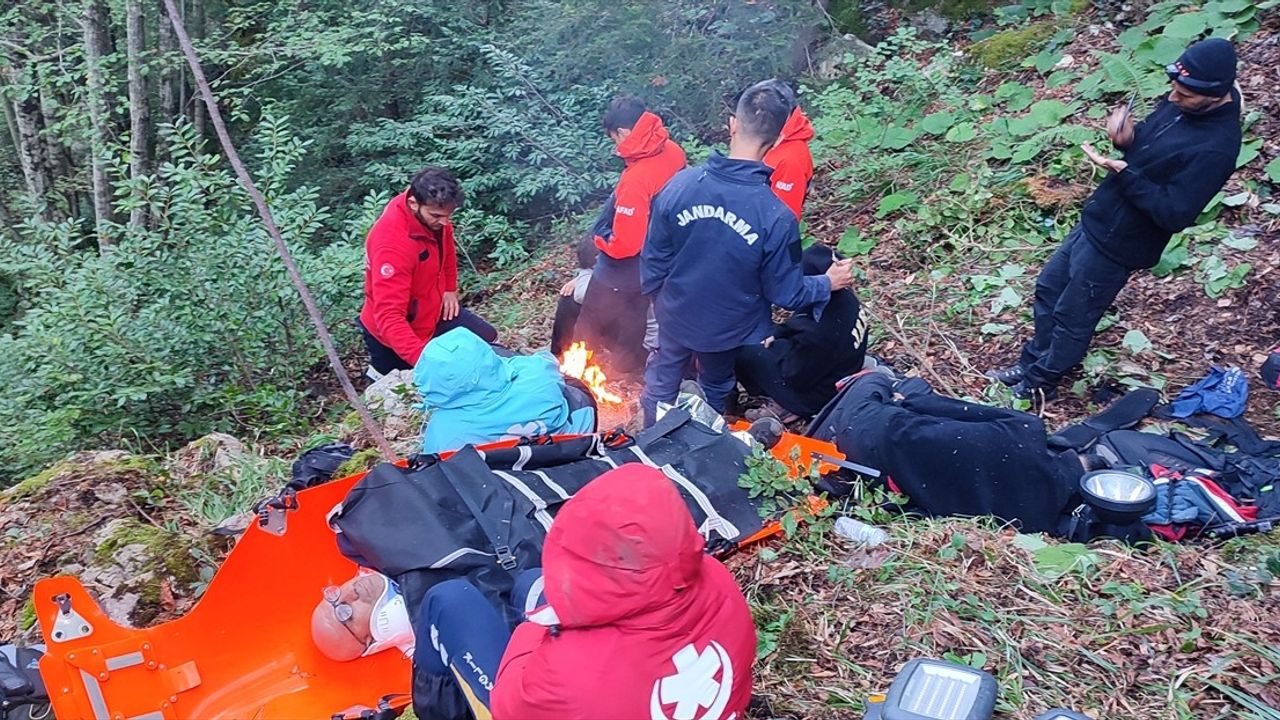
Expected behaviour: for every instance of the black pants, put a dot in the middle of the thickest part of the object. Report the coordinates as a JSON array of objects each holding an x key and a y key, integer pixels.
[
  {"x": 566, "y": 320},
  {"x": 614, "y": 314},
  {"x": 759, "y": 369},
  {"x": 384, "y": 359},
  {"x": 1073, "y": 291}
]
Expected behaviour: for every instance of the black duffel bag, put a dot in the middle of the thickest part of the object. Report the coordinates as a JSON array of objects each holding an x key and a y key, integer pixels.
[{"x": 484, "y": 515}]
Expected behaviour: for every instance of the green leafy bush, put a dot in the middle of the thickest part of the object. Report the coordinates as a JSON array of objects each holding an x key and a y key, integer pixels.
[{"x": 179, "y": 330}]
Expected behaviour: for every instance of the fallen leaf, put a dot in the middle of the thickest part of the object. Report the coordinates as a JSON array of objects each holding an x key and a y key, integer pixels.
[{"x": 167, "y": 600}]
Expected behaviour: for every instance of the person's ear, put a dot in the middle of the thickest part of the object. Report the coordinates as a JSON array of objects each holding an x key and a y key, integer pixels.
[{"x": 733, "y": 127}]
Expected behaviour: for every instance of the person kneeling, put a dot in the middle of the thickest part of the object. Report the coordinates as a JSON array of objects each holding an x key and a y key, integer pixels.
[
  {"x": 798, "y": 366},
  {"x": 474, "y": 396}
]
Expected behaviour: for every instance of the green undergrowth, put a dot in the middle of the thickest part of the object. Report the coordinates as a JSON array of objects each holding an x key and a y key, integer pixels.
[
  {"x": 963, "y": 171},
  {"x": 1177, "y": 631}
]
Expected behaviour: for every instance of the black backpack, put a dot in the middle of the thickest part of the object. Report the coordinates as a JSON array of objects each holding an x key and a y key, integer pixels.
[{"x": 22, "y": 692}]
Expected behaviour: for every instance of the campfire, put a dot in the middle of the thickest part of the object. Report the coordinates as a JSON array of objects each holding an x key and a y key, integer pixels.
[{"x": 576, "y": 362}]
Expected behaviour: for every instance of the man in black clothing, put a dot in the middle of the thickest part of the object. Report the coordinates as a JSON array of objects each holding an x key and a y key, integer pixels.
[
  {"x": 799, "y": 364},
  {"x": 1173, "y": 163}
]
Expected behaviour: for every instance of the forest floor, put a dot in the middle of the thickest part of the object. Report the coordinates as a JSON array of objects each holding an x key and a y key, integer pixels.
[{"x": 1171, "y": 631}]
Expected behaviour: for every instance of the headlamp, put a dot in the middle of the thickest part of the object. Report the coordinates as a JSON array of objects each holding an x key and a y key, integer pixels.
[{"x": 1117, "y": 497}]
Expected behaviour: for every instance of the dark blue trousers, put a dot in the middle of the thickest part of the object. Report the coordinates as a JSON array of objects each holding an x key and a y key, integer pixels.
[
  {"x": 1073, "y": 291},
  {"x": 459, "y": 633},
  {"x": 667, "y": 368}
]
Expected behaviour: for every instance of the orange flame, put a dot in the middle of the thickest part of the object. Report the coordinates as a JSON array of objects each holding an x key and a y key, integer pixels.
[{"x": 576, "y": 362}]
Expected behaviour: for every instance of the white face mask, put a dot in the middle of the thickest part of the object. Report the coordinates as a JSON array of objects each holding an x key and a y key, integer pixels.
[{"x": 389, "y": 622}]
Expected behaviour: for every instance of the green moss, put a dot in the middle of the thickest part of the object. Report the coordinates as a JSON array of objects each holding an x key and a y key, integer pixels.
[
  {"x": 361, "y": 461},
  {"x": 36, "y": 482},
  {"x": 168, "y": 553},
  {"x": 1011, "y": 47},
  {"x": 93, "y": 468},
  {"x": 27, "y": 616}
]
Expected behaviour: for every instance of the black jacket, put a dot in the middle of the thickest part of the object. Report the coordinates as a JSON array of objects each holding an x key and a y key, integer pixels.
[
  {"x": 816, "y": 353},
  {"x": 951, "y": 457},
  {"x": 1177, "y": 163}
]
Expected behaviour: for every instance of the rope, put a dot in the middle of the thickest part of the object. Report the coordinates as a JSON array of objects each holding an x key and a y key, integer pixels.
[{"x": 228, "y": 148}]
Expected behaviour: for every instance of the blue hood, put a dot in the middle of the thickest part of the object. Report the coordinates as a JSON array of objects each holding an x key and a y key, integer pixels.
[
  {"x": 458, "y": 370},
  {"x": 474, "y": 396}
]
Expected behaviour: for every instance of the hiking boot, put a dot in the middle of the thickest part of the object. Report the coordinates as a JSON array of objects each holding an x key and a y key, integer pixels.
[
  {"x": 767, "y": 431},
  {"x": 771, "y": 409},
  {"x": 1009, "y": 376},
  {"x": 1023, "y": 391},
  {"x": 691, "y": 387}
]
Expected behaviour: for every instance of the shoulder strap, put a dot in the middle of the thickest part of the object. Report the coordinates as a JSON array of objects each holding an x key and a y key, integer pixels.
[
  {"x": 1124, "y": 413},
  {"x": 469, "y": 477}
]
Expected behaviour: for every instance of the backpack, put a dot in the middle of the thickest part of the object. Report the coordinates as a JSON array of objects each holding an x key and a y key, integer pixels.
[{"x": 22, "y": 692}]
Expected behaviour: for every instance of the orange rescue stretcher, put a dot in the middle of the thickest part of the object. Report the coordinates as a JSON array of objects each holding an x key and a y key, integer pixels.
[{"x": 245, "y": 649}]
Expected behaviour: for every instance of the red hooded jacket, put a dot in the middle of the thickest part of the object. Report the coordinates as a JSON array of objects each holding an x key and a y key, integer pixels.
[
  {"x": 652, "y": 157},
  {"x": 650, "y": 625},
  {"x": 791, "y": 162},
  {"x": 407, "y": 271}
]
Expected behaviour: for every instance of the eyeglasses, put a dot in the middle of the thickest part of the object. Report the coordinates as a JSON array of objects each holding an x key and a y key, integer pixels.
[{"x": 342, "y": 612}]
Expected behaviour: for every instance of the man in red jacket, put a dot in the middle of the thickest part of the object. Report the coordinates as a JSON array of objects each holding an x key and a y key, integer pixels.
[
  {"x": 411, "y": 274},
  {"x": 790, "y": 159},
  {"x": 639, "y": 623},
  {"x": 614, "y": 311}
]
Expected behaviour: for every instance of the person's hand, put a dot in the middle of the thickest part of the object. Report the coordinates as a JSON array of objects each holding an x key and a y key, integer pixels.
[
  {"x": 449, "y": 307},
  {"x": 1103, "y": 162},
  {"x": 767, "y": 341},
  {"x": 1120, "y": 127},
  {"x": 840, "y": 274},
  {"x": 567, "y": 289}
]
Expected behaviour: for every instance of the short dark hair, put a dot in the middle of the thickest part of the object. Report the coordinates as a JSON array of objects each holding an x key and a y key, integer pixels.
[
  {"x": 762, "y": 111},
  {"x": 623, "y": 112},
  {"x": 587, "y": 251},
  {"x": 436, "y": 186},
  {"x": 785, "y": 90}
]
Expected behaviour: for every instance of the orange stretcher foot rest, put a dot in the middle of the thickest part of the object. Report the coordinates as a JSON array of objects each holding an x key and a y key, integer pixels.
[{"x": 244, "y": 650}]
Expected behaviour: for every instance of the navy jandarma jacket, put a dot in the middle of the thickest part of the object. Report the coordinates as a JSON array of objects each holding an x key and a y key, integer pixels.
[
  {"x": 1177, "y": 163},
  {"x": 721, "y": 249}
]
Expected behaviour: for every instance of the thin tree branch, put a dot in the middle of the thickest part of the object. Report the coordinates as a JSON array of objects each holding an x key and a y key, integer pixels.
[{"x": 326, "y": 340}]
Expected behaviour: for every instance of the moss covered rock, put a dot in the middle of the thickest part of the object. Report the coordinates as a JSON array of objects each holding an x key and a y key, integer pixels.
[{"x": 1009, "y": 48}]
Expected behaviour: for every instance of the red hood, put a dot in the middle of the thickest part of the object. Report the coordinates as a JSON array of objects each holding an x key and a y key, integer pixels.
[
  {"x": 623, "y": 546},
  {"x": 798, "y": 127},
  {"x": 646, "y": 139}
]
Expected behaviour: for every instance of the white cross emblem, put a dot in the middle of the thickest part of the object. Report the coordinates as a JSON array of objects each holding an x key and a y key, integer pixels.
[{"x": 694, "y": 685}]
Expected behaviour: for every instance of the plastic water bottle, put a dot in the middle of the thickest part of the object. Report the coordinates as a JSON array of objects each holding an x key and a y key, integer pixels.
[{"x": 860, "y": 532}]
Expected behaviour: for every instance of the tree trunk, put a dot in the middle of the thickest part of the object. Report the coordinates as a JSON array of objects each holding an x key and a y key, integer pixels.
[
  {"x": 169, "y": 63},
  {"x": 95, "y": 46},
  {"x": 198, "y": 20},
  {"x": 31, "y": 152},
  {"x": 139, "y": 105},
  {"x": 11, "y": 122}
]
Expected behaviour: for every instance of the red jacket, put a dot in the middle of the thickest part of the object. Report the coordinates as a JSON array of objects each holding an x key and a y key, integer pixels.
[
  {"x": 791, "y": 162},
  {"x": 650, "y": 625},
  {"x": 652, "y": 158},
  {"x": 407, "y": 271}
]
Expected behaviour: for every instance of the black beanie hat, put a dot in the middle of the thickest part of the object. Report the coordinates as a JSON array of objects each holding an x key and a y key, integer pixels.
[{"x": 1206, "y": 68}]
